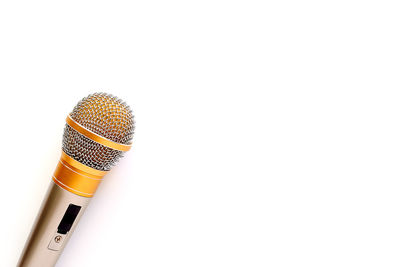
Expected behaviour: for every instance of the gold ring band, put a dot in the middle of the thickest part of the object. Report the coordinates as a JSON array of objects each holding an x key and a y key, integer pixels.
[
  {"x": 95, "y": 137},
  {"x": 77, "y": 178}
]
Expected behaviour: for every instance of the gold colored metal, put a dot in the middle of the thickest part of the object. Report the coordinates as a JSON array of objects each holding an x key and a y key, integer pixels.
[
  {"x": 77, "y": 178},
  {"x": 80, "y": 166},
  {"x": 36, "y": 252},
  {"x": 95, "y": 137},
  {"x": 99, "y": 129}
]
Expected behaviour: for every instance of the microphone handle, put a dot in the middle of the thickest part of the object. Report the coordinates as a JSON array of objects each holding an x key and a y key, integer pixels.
[{"x": 58, "y": 216}]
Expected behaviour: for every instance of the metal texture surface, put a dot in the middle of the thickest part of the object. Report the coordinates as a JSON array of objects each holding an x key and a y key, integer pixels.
[
  {"x": 36, "y": 252},
  {"x": 106, "y": 116},
  {"x": 77, "y": 178}
]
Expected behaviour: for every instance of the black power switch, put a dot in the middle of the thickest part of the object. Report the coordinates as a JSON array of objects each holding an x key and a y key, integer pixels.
[{"x": 68, "y": 219}]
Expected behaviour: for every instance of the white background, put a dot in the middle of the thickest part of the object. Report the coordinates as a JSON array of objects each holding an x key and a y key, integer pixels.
[{"x": 267, "y": 131}]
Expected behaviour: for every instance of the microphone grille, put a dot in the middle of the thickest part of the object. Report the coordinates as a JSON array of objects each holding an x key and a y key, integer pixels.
[{"x": 105, "y": 115}]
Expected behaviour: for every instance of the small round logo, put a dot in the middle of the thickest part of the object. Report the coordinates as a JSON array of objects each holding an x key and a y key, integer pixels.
[{"x": 58, "y": 239}]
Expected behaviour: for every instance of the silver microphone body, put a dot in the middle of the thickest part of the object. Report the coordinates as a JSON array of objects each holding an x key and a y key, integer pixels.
[
  {"x": 45, "y": 242},
  {"x": 97, "y": 133}
]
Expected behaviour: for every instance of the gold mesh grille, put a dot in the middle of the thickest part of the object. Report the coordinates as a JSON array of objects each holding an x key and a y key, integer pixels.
[{"x": 105, "y": 115}]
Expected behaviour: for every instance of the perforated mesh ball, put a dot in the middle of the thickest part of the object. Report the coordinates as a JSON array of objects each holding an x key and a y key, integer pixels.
[{"x": 107, "y": 116}]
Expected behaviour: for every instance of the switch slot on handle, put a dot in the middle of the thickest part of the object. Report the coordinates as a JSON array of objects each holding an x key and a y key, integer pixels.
[
  {"x": 68, "y": 219},
  {"x": 64, "y": 227}
]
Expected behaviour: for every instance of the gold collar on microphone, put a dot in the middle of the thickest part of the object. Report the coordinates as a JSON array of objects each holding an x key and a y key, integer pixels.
[{"x": 76, "y": 177}]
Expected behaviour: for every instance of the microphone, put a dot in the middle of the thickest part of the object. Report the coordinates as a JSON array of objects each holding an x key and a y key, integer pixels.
[{"x": 97, "y": 133}]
